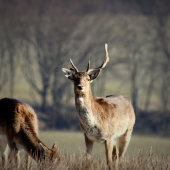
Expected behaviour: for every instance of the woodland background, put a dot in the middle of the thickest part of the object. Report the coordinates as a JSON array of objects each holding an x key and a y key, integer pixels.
[{"x": 38, "y": 37}]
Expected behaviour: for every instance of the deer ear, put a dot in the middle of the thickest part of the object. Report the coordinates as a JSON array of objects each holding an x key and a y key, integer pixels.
[
  {"x": 94, "y": 74},
  {"x": 55, "y": 147},
  {"x": 68, "y": 73}
]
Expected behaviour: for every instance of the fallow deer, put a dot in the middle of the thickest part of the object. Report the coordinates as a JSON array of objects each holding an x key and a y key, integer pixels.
[
  {"x": 19, "y": 130},
  {"x": 108, "y": 120}
]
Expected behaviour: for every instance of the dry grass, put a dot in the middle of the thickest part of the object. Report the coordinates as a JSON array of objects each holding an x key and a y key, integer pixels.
[
  {"x": 72, "y": 151},
  {"x": 139, "y": 160}
]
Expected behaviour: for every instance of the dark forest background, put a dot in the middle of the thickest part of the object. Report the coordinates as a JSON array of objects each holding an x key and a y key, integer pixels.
[{"x": 38, "y": 37}]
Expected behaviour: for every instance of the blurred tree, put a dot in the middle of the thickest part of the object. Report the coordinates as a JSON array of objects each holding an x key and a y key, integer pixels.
[
  {"x": 45, "y": 34},
  {"x": 47, "y": 37},
  {"x": 158, "y": 18},
  {"x": 11, "y": 54},
  {"x": 9, "y": 43},
  {"x": 3, "y": 61}
]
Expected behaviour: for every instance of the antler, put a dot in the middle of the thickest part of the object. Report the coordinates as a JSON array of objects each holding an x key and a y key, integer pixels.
[
  {"x": 104, "y": 62},
  {"x": 106, "y": 58},
  {"x": 75, "y": 69},
  {"x": 88, "y": 67}
]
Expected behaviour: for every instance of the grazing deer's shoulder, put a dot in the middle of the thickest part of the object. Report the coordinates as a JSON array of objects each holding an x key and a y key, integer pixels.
[
  {"x": 16, "y": 113},
  {"x": 11, "y": 106},
  {"x": 27, "y": 111}
]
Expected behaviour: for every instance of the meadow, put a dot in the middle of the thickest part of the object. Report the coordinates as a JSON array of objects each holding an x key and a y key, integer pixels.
[
  {"x": 144, "y": 153},
  {"x": 73, "y": 143}
]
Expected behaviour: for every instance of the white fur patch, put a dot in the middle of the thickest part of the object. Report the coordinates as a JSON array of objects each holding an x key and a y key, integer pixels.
[
  {"x": 88, "y": 120},
  {"x": 80, "y": 100},
  {"x": 85, "y": 113},
  {"x": 118, "y": 134}
]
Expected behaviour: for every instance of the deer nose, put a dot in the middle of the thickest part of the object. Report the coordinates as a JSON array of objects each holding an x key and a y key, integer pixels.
[{"x": 80, "y": 87}]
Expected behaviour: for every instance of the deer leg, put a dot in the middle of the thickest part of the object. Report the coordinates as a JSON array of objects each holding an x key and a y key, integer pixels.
[
  {"x": 13, "y": 152},
  {"x": 109, "y": 149},
  {"x": 89, "y": 146},
  {"x": 4, "y": 149},
  {"x": 27, "y": 158},
  {"x": 115, "y": 152},
  {"x": 124, "y": 142}
]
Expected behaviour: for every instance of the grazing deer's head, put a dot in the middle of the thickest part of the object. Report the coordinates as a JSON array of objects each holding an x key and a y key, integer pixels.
[
  {"x": 82, "y": 80},
  {"x": 54, "y": 156},
  {"x": 19, "y": 130}
]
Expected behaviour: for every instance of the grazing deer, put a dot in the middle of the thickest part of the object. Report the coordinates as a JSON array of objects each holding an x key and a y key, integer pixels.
[
  {"x": 19, "y": 130},
  {"x": 108, "y": 120}
]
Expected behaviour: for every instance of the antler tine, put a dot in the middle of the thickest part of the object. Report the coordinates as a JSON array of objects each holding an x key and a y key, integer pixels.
[
  {"x": 104, "y": 62},
  {"x": 106, "y": 58},
  {"x": 88, "y": 66},
  {"x": 75, "y": 69}
]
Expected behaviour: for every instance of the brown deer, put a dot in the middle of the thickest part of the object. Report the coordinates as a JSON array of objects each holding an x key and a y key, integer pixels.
[
  {"x": 108, "y": 120},
  {"x": 19, "y": 130}
]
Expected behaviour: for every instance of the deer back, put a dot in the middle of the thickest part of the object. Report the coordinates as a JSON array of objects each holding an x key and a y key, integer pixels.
[{"x": 19, "y": 124}]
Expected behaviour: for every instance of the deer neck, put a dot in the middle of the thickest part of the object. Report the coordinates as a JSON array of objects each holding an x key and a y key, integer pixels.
[
  {"x": 84, "y": 105},
  {"x": 33, "y": 145}
]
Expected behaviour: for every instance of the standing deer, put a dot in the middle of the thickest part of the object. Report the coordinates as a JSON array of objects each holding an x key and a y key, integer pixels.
[
  {"x": 108, "y": 120},
  {"x": 19, "y": 130}
]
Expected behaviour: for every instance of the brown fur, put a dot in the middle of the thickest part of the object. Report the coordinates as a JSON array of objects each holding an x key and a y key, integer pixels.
[
  {"x": 19, "y": 128},
  {"x": 108, "y": 120}
]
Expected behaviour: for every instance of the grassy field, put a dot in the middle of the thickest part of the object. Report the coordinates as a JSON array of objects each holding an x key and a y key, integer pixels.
[
  {"x": 72, "y": 150},
  {"x": 73, "y": 142}
]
